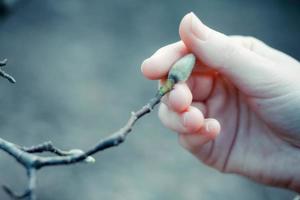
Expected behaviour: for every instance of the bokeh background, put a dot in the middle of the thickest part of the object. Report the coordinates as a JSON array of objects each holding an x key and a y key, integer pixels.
[{"x": 77, "y": 65}]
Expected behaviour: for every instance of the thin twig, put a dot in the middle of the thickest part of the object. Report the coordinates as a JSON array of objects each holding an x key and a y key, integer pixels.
[
  {"x": 45, "y": 147},
  {"x": 14, "y": 195},
  {"x": 180, "y": 71},
  {"x": 3, "y": 62},
  {"x": 31, "y": 162},
  {"x": 29, "y": 193},
  {"x": 4, "y": 74},
  {"x": 31, "y": 172}
]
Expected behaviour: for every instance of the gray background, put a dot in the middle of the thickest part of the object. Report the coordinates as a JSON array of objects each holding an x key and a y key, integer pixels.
[{"x": 77, "y": 65}]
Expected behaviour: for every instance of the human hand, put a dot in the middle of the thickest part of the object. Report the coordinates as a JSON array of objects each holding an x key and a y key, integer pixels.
[{"x": 239, "y": 112}]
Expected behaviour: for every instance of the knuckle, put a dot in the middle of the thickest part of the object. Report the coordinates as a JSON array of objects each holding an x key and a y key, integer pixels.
[
  {"x": 251, "y": 42},
  {"x": 232, "y": 50},
  {"x": 184, "y": 143},
  {"x": 248, "y": 42},
  {"x": 165, "y": 115}
]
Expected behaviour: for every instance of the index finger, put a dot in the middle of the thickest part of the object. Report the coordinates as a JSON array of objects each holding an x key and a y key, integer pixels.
[{"x": 159, "y": 64}]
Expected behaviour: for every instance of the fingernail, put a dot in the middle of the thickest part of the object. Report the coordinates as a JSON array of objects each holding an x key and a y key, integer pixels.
[
  {"x": 198, "y": 28},
  {"x": 207, "y": 127},
  {"x": 190, "y": 121},
  {"x": 186, "y": 119}
]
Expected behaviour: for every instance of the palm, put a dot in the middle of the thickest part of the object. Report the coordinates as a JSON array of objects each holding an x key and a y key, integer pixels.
[{"x": 247, "y": 144}]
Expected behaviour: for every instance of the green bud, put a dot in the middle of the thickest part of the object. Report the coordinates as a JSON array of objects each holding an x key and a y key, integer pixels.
[{"x": 182, "y": 69}]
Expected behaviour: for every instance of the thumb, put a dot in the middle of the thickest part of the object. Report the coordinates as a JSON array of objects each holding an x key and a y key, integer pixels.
[{"x": 246, "y": 69}]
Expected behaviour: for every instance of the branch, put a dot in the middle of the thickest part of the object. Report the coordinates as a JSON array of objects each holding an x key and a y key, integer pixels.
[
  {"x": 113, "y": 140},
  {"x": 4, "y": 74},
  {"x": 45, "y": 147},
  {"x": 30, "y": 190},
  {"x": 26, "y": 156},
  {"x": 14, "y": 195}
]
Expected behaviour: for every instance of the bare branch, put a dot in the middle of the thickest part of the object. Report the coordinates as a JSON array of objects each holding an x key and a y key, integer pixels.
[
  {"x": 25, "y": 156},
  {"x": 32, "y": 162},
  {"x": 3, "y": 62},
  {"x": 29, "y": 193},
  {"x": 31, "y": 172},
  {"x": 111, "y": 141},
  {"x": 13, "y": 195},
  {"x": 45, "y": 147},
  {"x": 4, "y": 74}
]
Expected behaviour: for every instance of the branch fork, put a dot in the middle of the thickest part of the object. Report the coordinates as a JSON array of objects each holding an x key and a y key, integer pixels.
[{"x": 27, "y": 157}]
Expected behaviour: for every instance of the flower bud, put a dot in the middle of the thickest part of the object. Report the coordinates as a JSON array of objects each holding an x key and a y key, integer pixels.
[{"x": 182, "y": 69}]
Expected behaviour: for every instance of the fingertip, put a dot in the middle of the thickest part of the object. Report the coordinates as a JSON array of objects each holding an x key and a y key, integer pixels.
[
  {"x": 170, "y": 119},
  {"x": 192, "y": 120},
  {"x": 208, "y": 132},
  {"x": 149, "y": 69},
  {"x": 180, "y": 98},
  {"x": 185, "y": 23},
  {"x": 158, "y": 65},
  {"x": 212, "y": 128},
  {"x": 191, "y": 29}
]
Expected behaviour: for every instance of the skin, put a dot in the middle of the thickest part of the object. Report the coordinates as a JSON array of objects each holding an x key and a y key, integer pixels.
[{"x": 239, "y": 111}]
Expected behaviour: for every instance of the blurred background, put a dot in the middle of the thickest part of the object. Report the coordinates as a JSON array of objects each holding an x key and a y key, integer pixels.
[{"x": 77, "y": 66}]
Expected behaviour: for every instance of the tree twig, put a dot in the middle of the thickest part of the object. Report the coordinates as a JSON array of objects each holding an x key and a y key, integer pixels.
[
  {"x": 31, "y": 162},
  {"x": 4, "y": 74},
  {"x": 45, "y": 147}
]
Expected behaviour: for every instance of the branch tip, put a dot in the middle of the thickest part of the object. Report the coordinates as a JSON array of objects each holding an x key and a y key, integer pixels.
[
  {"x": 4, "y": 74},
  {"x": 3, "y": 62},
  {"x": 14, "y": 195}
]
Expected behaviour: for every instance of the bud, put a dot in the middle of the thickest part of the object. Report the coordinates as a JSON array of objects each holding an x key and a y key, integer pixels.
[
  {"x": 88, "y": 159},
  {"x": 182, "y": 69}
]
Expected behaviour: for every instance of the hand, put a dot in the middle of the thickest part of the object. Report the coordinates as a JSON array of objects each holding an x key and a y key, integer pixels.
[{"x": 240, "y": 110}]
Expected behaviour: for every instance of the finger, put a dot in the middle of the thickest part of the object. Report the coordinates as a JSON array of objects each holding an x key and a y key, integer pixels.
[
  {"x": 197, "y": 88},
  {"x": 192, "y": 119},
  {"x": 189, "y": 121},
  {"x": 201, "y": 106},
  {"x": 180, "y": 98},
  {"x": 201, "y": 85},
  {"x": 158, "y": 65},
  {"x": 220, "y": 53},
  {"x": 170, "y": 119},
  {"x": 208, "y": 132},
  {"x": 259, "y": 47}
]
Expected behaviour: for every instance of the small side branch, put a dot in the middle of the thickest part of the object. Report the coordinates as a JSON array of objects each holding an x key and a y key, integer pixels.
[
  {"x": 29, "y": 193},
  {"x": 45, "y": 147},
  {"x": 14, "y": 195},
  {"x": 4, "y": 74},
  {"x": 3, "y": 62},
  {"x": 31, "y": 183}
]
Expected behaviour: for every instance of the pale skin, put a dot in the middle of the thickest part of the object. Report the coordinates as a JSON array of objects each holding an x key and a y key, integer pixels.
[{"x": 239, "y": 112}]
